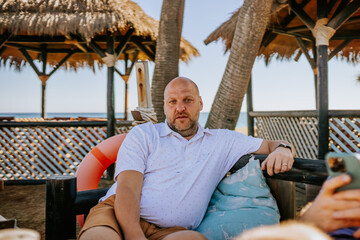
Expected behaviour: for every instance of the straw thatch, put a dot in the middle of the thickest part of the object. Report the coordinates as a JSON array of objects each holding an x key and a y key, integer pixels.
[
  {"x": 85, "y": 18},
  {"x": 284, "y": 46}
]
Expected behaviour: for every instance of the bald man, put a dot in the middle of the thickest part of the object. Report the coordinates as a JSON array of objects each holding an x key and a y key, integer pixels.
[{"x": 166, "y": 173}]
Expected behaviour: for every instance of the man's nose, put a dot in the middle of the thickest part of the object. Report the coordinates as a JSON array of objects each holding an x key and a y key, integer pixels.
[{"x": 180, "y": 107}]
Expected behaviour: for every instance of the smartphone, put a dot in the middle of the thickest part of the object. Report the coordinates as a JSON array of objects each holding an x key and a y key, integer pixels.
[{"x": 340, "y": 163}]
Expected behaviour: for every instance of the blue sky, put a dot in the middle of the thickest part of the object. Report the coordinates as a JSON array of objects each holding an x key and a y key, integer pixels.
[{"x": 285, "y": 85}]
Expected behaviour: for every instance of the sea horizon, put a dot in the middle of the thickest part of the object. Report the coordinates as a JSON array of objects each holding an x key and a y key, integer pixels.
[{"x": 242, "y": 122}]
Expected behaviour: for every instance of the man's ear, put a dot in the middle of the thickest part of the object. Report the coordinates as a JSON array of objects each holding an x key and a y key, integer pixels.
[{"x": 201, "y": 103}]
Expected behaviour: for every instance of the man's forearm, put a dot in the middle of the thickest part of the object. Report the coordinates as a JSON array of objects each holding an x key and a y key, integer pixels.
[{"x": 127, "y": 211}]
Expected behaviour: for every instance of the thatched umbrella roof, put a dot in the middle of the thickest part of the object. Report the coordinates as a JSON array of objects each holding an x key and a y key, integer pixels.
[
  {"x": 58, "y": 24},
  {"x": 279, "y": 40}
]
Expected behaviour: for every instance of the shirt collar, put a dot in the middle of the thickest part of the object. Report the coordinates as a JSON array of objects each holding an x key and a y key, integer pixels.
[{"x": 166, "y": 130}]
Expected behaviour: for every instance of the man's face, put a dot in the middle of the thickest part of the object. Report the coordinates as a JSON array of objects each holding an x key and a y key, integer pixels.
[{"x": 182, "y": 106}]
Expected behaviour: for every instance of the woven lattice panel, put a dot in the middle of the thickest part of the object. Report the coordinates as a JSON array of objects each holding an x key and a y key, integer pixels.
[
  {"x": 301, "y": 132},
  {"x": 344, "y": 134},
  {"x": 40, "y": 152}
]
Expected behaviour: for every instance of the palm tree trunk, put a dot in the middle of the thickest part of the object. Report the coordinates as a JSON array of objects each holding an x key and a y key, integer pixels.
[
  {"x": 167, "y": 52},
  {"x": 251, "y": 23}
]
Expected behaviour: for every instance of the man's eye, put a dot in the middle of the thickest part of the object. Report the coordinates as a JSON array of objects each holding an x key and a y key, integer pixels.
[
  {"x": 172, "y": 102},
  {"x": 188, "y": 100}
]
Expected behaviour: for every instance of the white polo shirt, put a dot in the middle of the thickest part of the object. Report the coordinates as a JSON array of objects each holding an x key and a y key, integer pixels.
[{"x": 179, "y": 175}]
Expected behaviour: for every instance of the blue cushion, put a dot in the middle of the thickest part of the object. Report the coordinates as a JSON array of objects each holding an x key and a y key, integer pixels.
[{"x": 241, "y": 201}]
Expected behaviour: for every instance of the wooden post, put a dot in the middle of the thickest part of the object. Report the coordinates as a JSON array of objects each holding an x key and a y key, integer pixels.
[
  {"x": 250, "y": 120},
  {"x": 143, "y": 85},
  {"x": 126, "y": 79},
  {"x": 60, "y": 212},
  {"x": 323, "y": 98},
  {"x": 284, "y": 193},
  {"x": 110, "y": 91},
  {"x": 126, "y": 99},
  {"x": 43, "y": 98},
  {"x": 43, "y": 80},
  {"x": 323, "y": 101},
  {"x": 111, "y": 121}
]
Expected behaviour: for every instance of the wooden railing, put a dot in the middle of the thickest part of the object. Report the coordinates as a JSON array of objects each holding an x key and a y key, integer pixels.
[
  {"x": 37, "y": 150},
  {"x": 301, "y": 129}
]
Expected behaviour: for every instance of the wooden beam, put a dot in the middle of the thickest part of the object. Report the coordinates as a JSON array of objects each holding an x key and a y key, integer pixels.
[
  {"x": 153, "y": 48},
  {"x": 344, "y": 15},
  {"x": 339, "y": 48},
  {"x": 30, "y": 61},
  {"x": 2, "y": 49},
  {"x": 118, "y": 72},
  {"x": 4, "y": 37},
  {"x": 62, "y": 39},
  {"x": 292, "y": 15},
  {"x": 298, "y": 55},
  {"x": 321, "y": 9},
  {"x": 300, "y": 35},
  {"x": 330, "y": 6},
  {"x": 60, "y": 63},
  {"x": 16, "y": 45},
  {"x": 34, "y": 49},
  {"x": 341, "y": 6},
  {"x": 96, "y": 48},
  {"x": 345, "y": 36},
  {"x": 144, "y": 49},
  {"x": 304, "y": 28},
  {"x": 353, "y": 20},
  {"x": 305, "y": 52},
  {"x": 124, "y": 40},
  {"x": 37, "y": 39},
  {"x": 135, "y": 58},
  {"x": 270, "y": 36},
  {"x": 304, "y": 17}
]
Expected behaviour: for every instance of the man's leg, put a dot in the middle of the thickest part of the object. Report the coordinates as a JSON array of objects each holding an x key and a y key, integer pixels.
[
  {"x": 99, "y": 233},
  {"x": 185, "y": 235},
  {"x": 101, "y": 223}
]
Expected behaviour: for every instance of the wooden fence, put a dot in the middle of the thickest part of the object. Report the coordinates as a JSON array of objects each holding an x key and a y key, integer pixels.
[
  {"x": 301, "y": 129},
  {"x": 37, "y": 150}
]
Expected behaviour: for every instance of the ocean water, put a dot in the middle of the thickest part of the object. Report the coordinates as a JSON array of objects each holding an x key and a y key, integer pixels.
[{"x": 242, "y": 122}]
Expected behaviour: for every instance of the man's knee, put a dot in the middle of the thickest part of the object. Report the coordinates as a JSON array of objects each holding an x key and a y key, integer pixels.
[
  {"x": 185, "y": 235},
  {"x": 100, "y": 232}
]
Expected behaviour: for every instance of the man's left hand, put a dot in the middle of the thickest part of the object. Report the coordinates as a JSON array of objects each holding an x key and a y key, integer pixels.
[{"x": 280, "y": 160}]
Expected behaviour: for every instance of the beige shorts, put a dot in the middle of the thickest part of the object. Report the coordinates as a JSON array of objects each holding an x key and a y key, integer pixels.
[{"x": 103, "y": 215}]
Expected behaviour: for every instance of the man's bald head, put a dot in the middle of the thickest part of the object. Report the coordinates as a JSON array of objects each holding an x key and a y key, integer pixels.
[{"x": 178, "y": 81}]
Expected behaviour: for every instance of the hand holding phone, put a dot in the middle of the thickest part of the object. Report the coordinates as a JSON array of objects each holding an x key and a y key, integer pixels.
[{"x": 344, "y": 163}]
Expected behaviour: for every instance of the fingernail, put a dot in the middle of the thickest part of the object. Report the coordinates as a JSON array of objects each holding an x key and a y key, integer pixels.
[{"x": 346, "y": 177}]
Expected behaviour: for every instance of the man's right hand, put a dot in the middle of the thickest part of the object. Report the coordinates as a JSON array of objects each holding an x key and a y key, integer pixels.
[{"x": 331, "y": 211}]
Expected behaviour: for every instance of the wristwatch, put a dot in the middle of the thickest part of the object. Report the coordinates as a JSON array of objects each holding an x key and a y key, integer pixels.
[{"x": 285, "y": 146}]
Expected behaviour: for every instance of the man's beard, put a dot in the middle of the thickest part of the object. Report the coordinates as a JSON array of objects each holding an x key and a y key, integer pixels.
[{"x": 190, "y": 131}]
